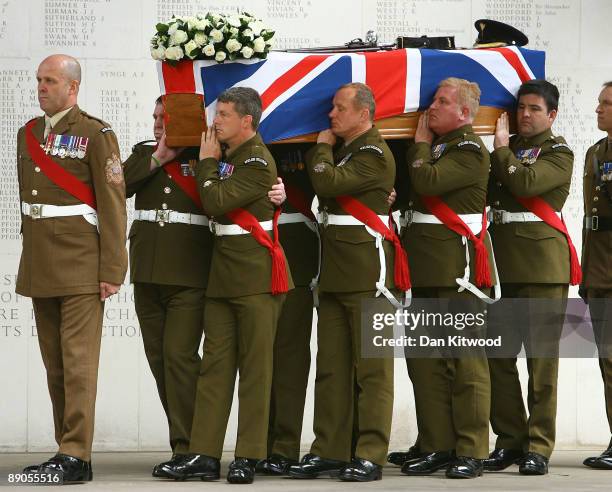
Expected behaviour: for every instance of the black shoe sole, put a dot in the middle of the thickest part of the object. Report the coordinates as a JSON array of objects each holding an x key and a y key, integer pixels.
[
  {"x": 239, "y": 481},
  {"x": 533, "y": 472},
  {"x": 205, "y": 477},
  {"x": 308, "y": 476},
  {"x": 501, "y": 468},
  {"x": 357, "y": 478},
  {"x": 463, "y": 476},
  {"x": 424, "y": 473}
]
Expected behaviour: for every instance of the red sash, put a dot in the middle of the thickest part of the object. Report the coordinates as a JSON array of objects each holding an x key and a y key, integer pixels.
[
  {"x": 298, "y": 200},
  {"x": 364, "y": 214},
  {"x": 450, "y": 219},
  {"x": 545, "y": 212},
  {"x": 186, "y": 183},
  {"x": 56, "y": 173},
  {"x": 246, "y": 220}
]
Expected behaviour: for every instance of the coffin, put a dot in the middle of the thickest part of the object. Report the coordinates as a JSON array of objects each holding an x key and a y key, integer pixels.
[{"x": 297, "y": 88}]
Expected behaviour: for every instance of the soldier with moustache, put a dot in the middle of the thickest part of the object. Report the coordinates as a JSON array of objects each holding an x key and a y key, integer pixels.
[
  {"x": 596, "y": 286},
  {"x": 530, "y": 180},
  {"x": 72, "y": 195},
  {"x": 448, "y": 169}
]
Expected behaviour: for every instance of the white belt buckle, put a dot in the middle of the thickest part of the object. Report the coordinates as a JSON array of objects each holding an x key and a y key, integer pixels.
[
  {"x": 162, "y": 216},
  {"x": 595, "y": 222},
  {"x": 35, "y": 211},
  {"x": 212, "y": 225},
  {"x": 498, "y": 217},
  {"x": 324, "y": 218}
]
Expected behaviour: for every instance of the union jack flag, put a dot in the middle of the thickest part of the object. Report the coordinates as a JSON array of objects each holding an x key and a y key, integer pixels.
[{"x": 297, "y": 88}]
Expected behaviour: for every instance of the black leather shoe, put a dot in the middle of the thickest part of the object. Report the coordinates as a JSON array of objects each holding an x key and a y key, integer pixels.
[
  {"x": 464, "y": 467},
  {"x": 400, "y": 457},
  {"x": 72, "y": 469},
  {"x": 276, "y": 464},
  {"x": 159, "y": 470},
  {"x": 428, "y": 463},
  {"x": 312, "y": 466},
  {"x": 199, "y": 466},
  {"x": 602, "y": 462},
  {"x": 241, "y": 470},
  {"x": 360, "y": 470},
  {"x": 502, "y": 458},
  {"x": 533, "y": 464}
]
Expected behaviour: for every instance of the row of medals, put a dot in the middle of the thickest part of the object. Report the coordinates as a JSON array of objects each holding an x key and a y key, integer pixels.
[{"x": 63, "y": 146}]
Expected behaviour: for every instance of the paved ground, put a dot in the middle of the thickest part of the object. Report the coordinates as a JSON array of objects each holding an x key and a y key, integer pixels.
[{"x": 131, "y": 472}]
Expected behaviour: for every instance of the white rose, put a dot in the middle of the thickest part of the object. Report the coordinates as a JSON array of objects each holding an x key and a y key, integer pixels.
[
  {"x": 178, "y": 37},
  {"x": 201, "y": 24},
  {"x": 174, "y": 53},
  {"x": 158, "y": 53},
  {"x": 259, "y": 45},
  {"x": 216, "y": 18},
  {"x": 247, "y": 52},
  {"x": 220, "y": 56},
  {"x": 209, "y": 50},
  {"x": 233, "y": 21},
  {"x": 247, "y": 33},
  {"x": 200, "y": 38},
  {"x": 234, "y": 31},
  {"x": 173, "y": 27},
  {"x": 189, "y": 47},
  {"x": 216, "y": 35},
  {"x": 233, "y": 45},
  {"x": 256, "y": 27},
  {"x": 191, "y": 22}
]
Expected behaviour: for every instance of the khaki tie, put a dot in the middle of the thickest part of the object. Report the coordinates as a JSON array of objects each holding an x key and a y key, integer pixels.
[{"x": 47, "y": 127}]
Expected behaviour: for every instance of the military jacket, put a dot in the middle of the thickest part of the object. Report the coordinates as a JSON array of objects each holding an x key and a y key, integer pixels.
[
  {"x": 299, "y": 241},
  {"x": 597, "y": 245},
  {"x": 67, "y": 255},
  {"x": 165, "y": 253},
  {"x": 240, "y": 266},
  {"x": 365, "y": 170},
  {"x": 455, "y": 168},
  {"x": 531, "y": 252}
]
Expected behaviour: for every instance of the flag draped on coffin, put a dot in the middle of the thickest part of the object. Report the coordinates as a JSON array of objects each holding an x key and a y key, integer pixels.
[{"x": 297, "y": 88}]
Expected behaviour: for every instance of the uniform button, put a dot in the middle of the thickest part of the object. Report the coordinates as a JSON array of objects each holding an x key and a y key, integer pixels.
[
  {"x": 167, "y": 189},
  {"x": 595, "y": 198},
  {"x": 496, "y": 203},
  {"x": 594, "y": 210},
  {"x": 34, "y": 192},
  {"x": 499, "y": 184},
  {"x": 164, "y": 206},
  {"x": 410, "y": 203},
  {"x": 162, "y": 224},
  {"x": 37, "y": 169}
]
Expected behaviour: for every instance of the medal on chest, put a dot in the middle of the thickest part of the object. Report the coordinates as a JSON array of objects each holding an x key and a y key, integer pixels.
[
  {"x": 225, "y": 170},
  {"x": 437, "y": 150},
  {"x": 606, "y": 171},
  {"x": 63, "y": 146},
  {"x": 187, "y": 168},
  {"x": 528, "y": 156}
]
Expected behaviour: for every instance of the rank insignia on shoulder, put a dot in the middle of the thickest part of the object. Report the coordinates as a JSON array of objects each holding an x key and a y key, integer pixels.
[
  {"x": 528, "y": 156},
  {"x": 319, "y": 168},
  {"x": 511, "y": 169},
  {"x": 206, "y": 183},
  {"x": 437, "y": 151},
  {"x": 114, "y": 170},
  {"x": 225, "y": 170},
  {"x": 372, "y": 148},
  {"x": 417, "y": 163},
  {"x": 344, "y": 160},
  {"x": 469, "y": 142},
  {"x": 106, "y": 129},
  {"x": 256, "y": 159}
]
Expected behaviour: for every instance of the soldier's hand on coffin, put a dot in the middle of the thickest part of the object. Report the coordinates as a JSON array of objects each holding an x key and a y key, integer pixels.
[
  {"x": 423, "y": 133},
  {"x": 209, "y": 145},
  {"x": 164, "y": 154},
  {"x": 326, "y": 136},
  {"x": 392, "y": 197},
  {"x": 277, "y": 194},
  {"x": 107, "y": 290},
  {"x": 502, "y": 132}
]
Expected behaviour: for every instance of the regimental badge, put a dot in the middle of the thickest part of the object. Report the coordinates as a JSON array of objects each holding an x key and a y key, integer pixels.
[
  {"x": 606, "y": 171},
  {"x": 345, "y": 159},
  {"x": 225, "y": 170},
  {"x": 418, "y": 163},
  {"x": 252, "y": 160},
  {"x": 319, "y": 168},
  {"x": 437, "y": 151},
  {"x": 114, "y": 171},
  {"x": 511, "y": 169},
  {"x": 528, "y": 156}
]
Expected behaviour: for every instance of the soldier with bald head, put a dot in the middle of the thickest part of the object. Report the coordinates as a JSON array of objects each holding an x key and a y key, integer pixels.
[{"x": 73, "y": 222}]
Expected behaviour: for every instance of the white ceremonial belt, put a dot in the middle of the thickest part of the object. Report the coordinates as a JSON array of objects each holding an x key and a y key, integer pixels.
[
  {"x": 473, "y": 221},
  {"x": 344, "y": 220},
  {"x": 170, "y": 217},
  {"x": 44, "y": 210},
  {"x": 292, "y": 218},
  {"x": 234, "y": 229},
  {"x": 504, "y": 217}
]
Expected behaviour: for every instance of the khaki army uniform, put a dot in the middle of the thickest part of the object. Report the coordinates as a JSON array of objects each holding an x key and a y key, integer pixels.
[
  {"x": 352, "y": 393},
  {"x": 292, "y": 343},
  {"x": 63, "y": 261},
  {"x": 241, "y": 314},
  {"x": 597, "y": 257},
  {"x": 533, "y": 263},
  {"x": 452, "y": 394},
  {"x": 169, "y": 264}
]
